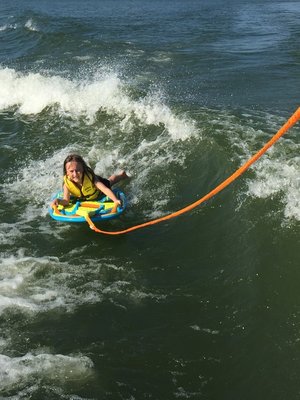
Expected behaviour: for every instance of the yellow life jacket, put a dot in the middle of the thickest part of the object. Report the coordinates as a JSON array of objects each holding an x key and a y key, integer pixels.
[{"x": 88, "y": 191}]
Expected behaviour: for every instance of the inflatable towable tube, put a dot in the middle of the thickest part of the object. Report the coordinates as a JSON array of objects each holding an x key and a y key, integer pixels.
[{"x": 97, "y": 210}]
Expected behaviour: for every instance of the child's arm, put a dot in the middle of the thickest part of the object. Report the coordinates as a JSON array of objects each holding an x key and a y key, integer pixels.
[
  {"x": 99, "y": 185},
  {"x": 64, "y": 201}
]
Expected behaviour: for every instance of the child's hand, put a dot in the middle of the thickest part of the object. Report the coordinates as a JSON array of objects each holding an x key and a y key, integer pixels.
[{"x": 54, "y": 203}]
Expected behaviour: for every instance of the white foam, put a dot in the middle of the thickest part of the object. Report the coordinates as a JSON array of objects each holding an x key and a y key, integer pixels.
[
  {"x": 82, "y": 58},
  {"x": 30, "y": 25},
  {"x": 161, "y": 57},
  {"x": 8, "y": 26},
  {"x": 33, "y": 92},
  {"x": 9, "y": 233},
  {"x": 16, "y": 275},
  {"x": 277, "y": 172},
  {"x": 206, "y": 330},
  {"x": 3, "y": 343},
  {"x": 279, "y": 177},
  {"x": 30, "y": 185},
  {"x": 16, "y": 302},
  {"x": 56, "y": 367},
  {"x": 39, "y": 284},
  {"x": 11, "y": 283}
]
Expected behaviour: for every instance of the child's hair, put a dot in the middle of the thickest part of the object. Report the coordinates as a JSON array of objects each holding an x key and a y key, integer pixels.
[{"x": 86, "y": 169}]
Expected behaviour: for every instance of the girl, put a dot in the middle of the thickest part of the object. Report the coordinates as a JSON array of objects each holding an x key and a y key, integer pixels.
[{"x": 81, "y": 182}]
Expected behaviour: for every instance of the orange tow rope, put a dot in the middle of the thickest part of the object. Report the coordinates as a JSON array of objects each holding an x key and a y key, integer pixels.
[{"x": 291, "y": 121}]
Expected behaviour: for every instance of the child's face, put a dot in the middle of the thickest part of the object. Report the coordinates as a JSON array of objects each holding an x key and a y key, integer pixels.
[{"x": 74, "y": 171}]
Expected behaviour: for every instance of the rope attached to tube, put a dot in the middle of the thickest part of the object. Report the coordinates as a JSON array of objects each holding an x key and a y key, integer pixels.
[{"x": 290, "y": 122}]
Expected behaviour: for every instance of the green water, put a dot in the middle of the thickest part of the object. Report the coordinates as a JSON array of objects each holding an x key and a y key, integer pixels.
[{"x": 203, "y": 306}]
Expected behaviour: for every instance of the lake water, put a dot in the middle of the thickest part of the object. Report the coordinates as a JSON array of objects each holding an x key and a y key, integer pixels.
[{"x": 180, "y": 94}]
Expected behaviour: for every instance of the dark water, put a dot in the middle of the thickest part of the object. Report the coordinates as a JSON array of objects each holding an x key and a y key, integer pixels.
[{"x": 180, "y": 94}]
